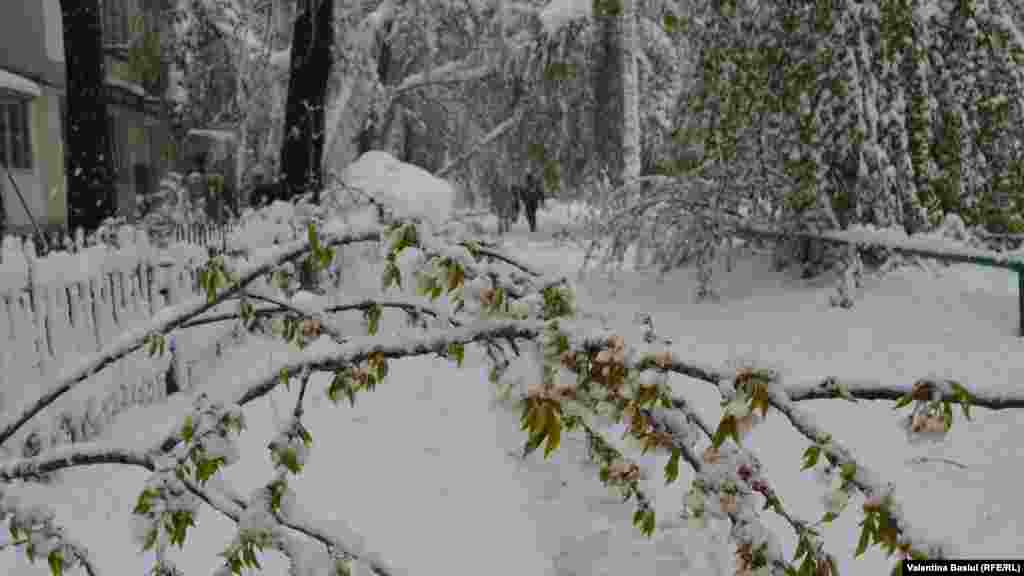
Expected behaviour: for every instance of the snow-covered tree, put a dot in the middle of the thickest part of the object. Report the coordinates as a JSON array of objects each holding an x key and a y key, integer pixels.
[{"x": 821, "y": 116}]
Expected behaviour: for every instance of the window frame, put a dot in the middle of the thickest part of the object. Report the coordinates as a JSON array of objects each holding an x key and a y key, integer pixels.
[{"x": 16, "y": 135}]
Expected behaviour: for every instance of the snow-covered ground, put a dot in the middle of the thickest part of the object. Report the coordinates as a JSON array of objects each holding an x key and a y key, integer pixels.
[{"x": 422, "y": 465}]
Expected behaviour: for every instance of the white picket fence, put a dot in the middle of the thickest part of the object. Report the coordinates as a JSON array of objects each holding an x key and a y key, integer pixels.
[{"x": 61, "y": 307}]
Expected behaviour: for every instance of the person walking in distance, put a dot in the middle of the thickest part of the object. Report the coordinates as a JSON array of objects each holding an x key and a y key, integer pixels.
[
  {"x": 532, "y": 196},
  {"x": 505, "y": 205}
]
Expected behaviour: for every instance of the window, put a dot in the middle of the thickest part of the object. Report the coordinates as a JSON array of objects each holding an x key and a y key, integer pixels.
[{"x": 15, "y": 140}]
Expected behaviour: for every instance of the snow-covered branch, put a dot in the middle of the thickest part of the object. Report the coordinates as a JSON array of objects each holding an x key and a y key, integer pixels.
[
  {"x": 359, "y": 349},
  {"x": 831, "y": 387},
  {"x": 451, "y": 73},
  {"x": 408, "y": 306},
  {"x": 71, "y": 456},
  {"x": 501, "y": 256},
  {"x": 870, "y": 390},
  {"x": 486, "y": 139}
]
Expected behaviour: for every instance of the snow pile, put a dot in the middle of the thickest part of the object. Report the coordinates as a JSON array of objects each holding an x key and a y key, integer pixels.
[
  {"x": 409, "y": 190},
  {"x": 560, "y": 12},
  {"x": 264, "y": 227}
]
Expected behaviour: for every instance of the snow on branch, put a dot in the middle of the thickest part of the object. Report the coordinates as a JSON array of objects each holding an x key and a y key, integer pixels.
[
  {"x": 870, "y": 390},
  {"x": 497, "y": 255},
  {"x": 433, "y": 341},
  {"x": 832, "y": 387},
  {"x": 71, "y": 456},
  {"x": 408, "y": 306},
  {"x": 169, "y": 319},
  {"x": 455, "y": 72},
  {"x": 491, "y": 136}
]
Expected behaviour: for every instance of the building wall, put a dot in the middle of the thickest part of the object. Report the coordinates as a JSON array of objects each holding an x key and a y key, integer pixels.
[
  {"x": 31, "y": 45},
  {"x": 28, "y": 48},
  {"x": 51, "y": 155},
  {"x": 23, "y": 44}
]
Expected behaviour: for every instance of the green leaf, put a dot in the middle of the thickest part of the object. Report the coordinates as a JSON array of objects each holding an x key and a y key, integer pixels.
[
  {"x": 457, "y": 351},
  {"x": 903, "y": 401},
  {"x": 811, "y": 456},
  {"x": 180, "y": 520},
  {"x": 802, "y": 547},
  {"x": 848, "y": 471},
  {"x": 963, "y": 397},
  {"x": 726, "y": 429},
  {"x": 150, "y": 540},
  {"x": 314, "y": 241},
  {"x": 341, "y": 568},
  {"x": 290, "y": 460},
  {"x": 424, "y": 284},
  {"x": 866, "y": 534},
  {"x": 307, "y": 438},
  {"x": 142, "y": 505},
  {"x": 672, "y": 468},
  {"x": 829, "y": 516},
  {"x": 759, "y": 398},
  {"x": 670, "y": 23},
  {"x": 807, "y": 566},
  {"x": 554, "y": 432},
  {"x": 188, "y": 429},
  {"x": 56, "y": 561},
  {"x": 533, "y": 443},
  {"x": 207, "y": 467},
  {"x": 372, "y": 315},
  {"x": 647, "y": 523},
  {"x": 342, "y": 384},
  {"x": 284, "y": 379},
  {"x": 844, "y": 393}
]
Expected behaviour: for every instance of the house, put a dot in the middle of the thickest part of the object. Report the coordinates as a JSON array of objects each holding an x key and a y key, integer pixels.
[
  {"x": 32, "y": 110},
  {"x": 138, "y": 126},
  {"x": 31, "y": 91}
]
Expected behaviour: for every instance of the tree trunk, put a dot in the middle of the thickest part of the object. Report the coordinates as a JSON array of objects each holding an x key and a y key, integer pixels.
[
  {"x": 89, "y": 170},
  {"x": 374, "y": 133},
  {"x": 631, "y": 162},
  {"x": 310, "y": 67},
  {"x": 241, "y": 152},
  {"x": 607, "y": 112}
]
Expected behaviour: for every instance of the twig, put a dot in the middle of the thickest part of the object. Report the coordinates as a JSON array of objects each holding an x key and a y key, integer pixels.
[
  {"x": 302, "y": 394},
  {"x": 925, "y": 460}
]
